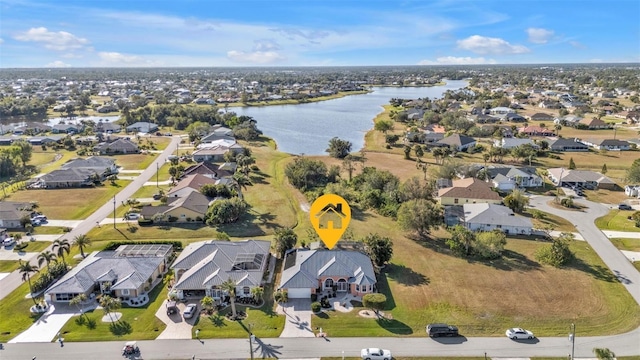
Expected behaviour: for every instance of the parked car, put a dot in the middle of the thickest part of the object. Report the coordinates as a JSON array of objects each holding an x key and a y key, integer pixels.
[
  {"x": 130, "y": 348},
  {"x": 436, "y": 330},
  {"x": 8, "y": 242},
  {"x": 519, "y": 333},
  {"x": 190, "y": 311},
  {"x": 375, "y": 354},
  {"x": 133, "y": 216},
  {"x": 157, "y": 196},
  {"x": 624, "y": 207}
]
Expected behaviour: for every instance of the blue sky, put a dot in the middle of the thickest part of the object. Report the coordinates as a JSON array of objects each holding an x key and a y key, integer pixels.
[{"x": 154, "y": 33}]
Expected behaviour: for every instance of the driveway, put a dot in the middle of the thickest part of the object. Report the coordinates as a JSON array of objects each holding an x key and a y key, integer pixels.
[
  {"x": 298, "y": 313},
  {"x": 47, "y": 327},
  {"x": 177, "y": 327},
  {"x": 9, "y": 254}
]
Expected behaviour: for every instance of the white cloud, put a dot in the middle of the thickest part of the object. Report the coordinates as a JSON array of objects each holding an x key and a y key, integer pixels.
[
  {"x": 539, "y": 35},
  {"x": 112, "y": 58},
  {"x": 255, "y": 57},
  {"x": 452, "y": 60},
  {"x": 60, "y": 41},
  {"x": 57, "y": 64},
  {"x": 577, "y": 45},
  {"x": 488, "y": 45}
]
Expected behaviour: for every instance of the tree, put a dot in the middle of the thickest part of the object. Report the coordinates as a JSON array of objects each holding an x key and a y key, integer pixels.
[
  {"x": 407, "y": 152},
  {"x": 339, "y": 148},
  {"x": 558, "y": 252},
  {"x": 633, "y": 172},
  {"x": 229, "y": 287},
  {"x": 306, "y": 174},
  {"x": 61, "y": 247},
  {"x": 572, "y": 164},
  {"x": 82, "y": 241},
  {"x": 461, "y": 240},
  {"x": 46, "y": 256},
  {"x": 208, "y": 304},
  {"x": 391, "y": 139},
  {"x": 226, "y": 211},
  {"x": 245, "y": 162},
  {"x": 257, "y": 293},
  {"x": 109, "y": 304},
  {"x": 77, "y": 301},
  {"x": 604, "y": 354},
  {"x": 420, "y": 215},
  {"x": 348, "y": 166},
  {"x": 418, "y": 150},
  {"x": 286, "y": 239},
  {"x": 375, "y": 302},
  {"x": 26, "y": 269},
  {"x": 414, "y": 188},
  {"x": 516, "y": 201},
  {"x": 604, "y": 169},
  {"x": 383, "y": 126},
  {"x": 379, "y": 248},
  {"x": 489, "y": 245}
]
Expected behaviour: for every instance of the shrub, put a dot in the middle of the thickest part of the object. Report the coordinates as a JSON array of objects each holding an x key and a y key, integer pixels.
[
  {"x": 316, "y": 307},
  {"x": 375, "y": 302}
]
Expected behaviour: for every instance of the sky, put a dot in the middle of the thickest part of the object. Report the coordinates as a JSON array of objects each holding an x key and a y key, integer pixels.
[{"x": 245, "y": 33}]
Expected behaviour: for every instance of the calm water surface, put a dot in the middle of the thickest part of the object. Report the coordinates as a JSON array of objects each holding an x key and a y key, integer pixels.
[{"x": 307, "y": 128}]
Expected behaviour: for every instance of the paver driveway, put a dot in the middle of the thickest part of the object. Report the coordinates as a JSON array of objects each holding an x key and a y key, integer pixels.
[{"x": 298, "y": 313}]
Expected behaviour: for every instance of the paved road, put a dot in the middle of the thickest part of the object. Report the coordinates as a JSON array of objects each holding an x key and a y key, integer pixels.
[
  {"x": 283, "y": 348},
  {"x": 12, "y": 281},
  {"x": 584, "y": 221}
]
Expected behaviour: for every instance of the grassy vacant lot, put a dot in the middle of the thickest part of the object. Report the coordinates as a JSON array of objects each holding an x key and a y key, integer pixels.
[
  {"x": 134, "y": 161},
  {"x": 424, "y": 284},
  {"x": 70, "y": 204},
  {"x": 135, "y": 324},
  {"x": 617, "y": 220},
  {"x": 627, "y": 244}
]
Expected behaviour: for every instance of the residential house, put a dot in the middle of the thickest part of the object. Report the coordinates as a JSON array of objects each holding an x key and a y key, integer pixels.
[
  {"x": 204, "y": 168},
  {"x": 66, "y": 129},
  {"x": 581, "y": 178},
  {"x": 509, "y": 143},
  {"x": 457, "y": 141},
  {"x": 188, "y": 208},
  {"x": 190, "y": 183},
  {"x": 306, "y": 272},
  {"x": 102, "y": 166},
  {"x": 568, "y": 120},
  {"x": 11, "y": 212},
  {"x": 608, "y": 144},
  {"x": 218, "y": 133},
  {"x": 507, "y": 178},
  {"x": 216, "y": 150},
  {"x": 142, "y": 127},
  {"x": 119, "y": 146},
  {"x": 483, "y": 119},
  {"x": 501, "y": 110},
  {"x": 489, "y": 217},
  {"x": 129, "y": 273},
  {"x": 633, "y": 117},
  {"x": 44, "y": 140},
  {"x": 513, "y": 117},
  {"x": 541, "y": 117},
  {"x": 547, "y": 104},
  {"x": 562, "y": 144},
  {"x": 632, "y": 190},
  {"x": 468, "y": 191},
  {"x": 535, "y": 131},
  {"x": 107, "y": 127},
  {"x": 107, "y": 108},
  {"x": 203, "y": 267},
  {"x": 594, "y": 123}
]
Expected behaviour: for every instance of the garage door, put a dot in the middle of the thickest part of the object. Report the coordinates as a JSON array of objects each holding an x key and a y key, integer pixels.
[{"x": 300, "y": 293}]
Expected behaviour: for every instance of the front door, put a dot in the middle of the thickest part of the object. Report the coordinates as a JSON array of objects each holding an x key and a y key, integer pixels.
[{"x": 343, "y": 285}]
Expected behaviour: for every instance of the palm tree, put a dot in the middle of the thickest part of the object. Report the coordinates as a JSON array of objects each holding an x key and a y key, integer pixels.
[
  {"x": 109, "y": 304},
  {"x": 26, "y": 269},
  {"x": 558, "y": 127},
  {"x": 604, "y": 354},
  {"x": 77, "y": 300},
  {"x": 230, "y": 287},
  {"x": 61, "y": 247},
  {"x": 47, "y": 257},
  {"x": 82, "y": 241},
  {"x": 257, "y": 293}
]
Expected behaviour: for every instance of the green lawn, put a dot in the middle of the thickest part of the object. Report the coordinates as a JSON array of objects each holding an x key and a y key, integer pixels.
[
  {"x": 70, "y": 204},
  {"x": 142, "y": 321},
  {"x": 627, "y": 244},
  {"x": 558, "y": 223},
  {"x": 20, "y": 317},
  {"x": 35, "y": 246},
  {"x": 263, "y": 322},
  {"x": 48, "y": 230},
  {"x": 8, "y": 265},
  {"x": 134, "y": 161},
  {"x": 148, "y": 191},
  {"x": 617, "y": 220}
]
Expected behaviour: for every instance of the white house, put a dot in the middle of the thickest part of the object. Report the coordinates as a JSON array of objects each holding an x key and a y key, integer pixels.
[
  {"x": 489, "y": 217},
  {"x": 632, "y": 190}
]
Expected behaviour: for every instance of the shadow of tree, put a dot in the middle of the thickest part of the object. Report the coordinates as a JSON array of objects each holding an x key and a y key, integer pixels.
[
  {"x": 322, "y": 315},
  {"x": 217, "y": 320},
  {"x": 358, "y": 214},
  {"x": 405, "y": 275},
  {"x": 383, "y": 287},
  {"x": 120, "y": 328},
  {"x": 599, "y": 272},
  {"x": 510, "y": 261},
  {"x": 267, "y": 351},
  {"x": 394, "y": 326}
]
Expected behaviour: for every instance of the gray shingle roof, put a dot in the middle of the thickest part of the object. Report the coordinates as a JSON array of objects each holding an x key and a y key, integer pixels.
[
  {"x": 492, "y": 214},
  {"x": 211, "y": 263},
  {"x": 309, "y": 265}
]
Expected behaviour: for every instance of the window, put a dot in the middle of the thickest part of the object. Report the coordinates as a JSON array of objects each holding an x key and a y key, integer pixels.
[
  {"x": 455, "y": 201},
  {"x": 125, "y": 291},
  {"x": 328, "y": 283},
  {"x": 246, "y": 290},
  {"x": 357, "y": 287}
]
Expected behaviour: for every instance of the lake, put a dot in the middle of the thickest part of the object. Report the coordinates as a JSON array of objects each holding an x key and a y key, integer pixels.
[{"x": 307, "y": 128}]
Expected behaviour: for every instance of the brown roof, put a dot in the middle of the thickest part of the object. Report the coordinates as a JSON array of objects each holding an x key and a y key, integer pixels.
[
  {"x": 469, "y": 188},
  {"x": 194, "y": 181}
]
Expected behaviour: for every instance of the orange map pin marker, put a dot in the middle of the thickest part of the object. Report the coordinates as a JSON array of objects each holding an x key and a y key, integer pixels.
[{"x": 330, "y": 215}]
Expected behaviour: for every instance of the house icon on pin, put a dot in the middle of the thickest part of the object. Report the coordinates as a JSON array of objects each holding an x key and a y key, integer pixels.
[{"x": 330, "y": 217}]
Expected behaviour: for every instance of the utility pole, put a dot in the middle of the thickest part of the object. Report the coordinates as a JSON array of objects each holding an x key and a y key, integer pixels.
[
  {"x": 251, "y": 338},
  {"x": 114, "y": 211},
  {"x": 157, "y": 170},
  {"x": 572, "y": 338}
]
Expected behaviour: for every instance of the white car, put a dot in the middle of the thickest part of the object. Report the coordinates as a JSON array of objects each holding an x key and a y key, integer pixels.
[
  {"x": 375, "y": 354},
  {"x": 190, "y": 311},
  {"x": 133, "y": 216},
  {"x": 519, "y": 333}
]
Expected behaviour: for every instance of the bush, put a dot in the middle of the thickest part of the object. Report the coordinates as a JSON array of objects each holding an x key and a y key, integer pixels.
[
  {"x": 316, "y": 307},
  {"x": 145, "y": 222},
  {"x": 376, "y": 302}
]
